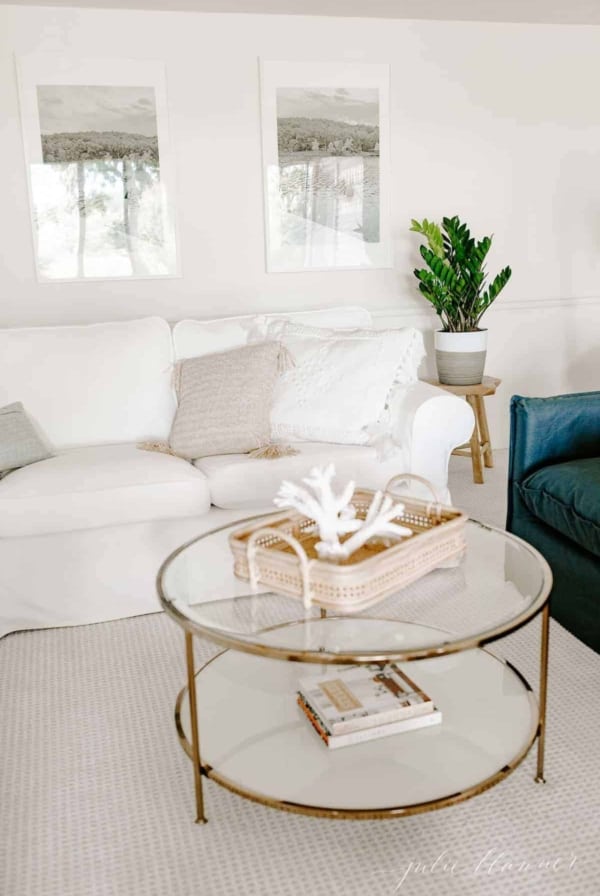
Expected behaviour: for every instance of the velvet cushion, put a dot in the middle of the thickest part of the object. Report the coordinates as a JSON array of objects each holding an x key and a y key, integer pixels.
[{"x": 567, "y": 497}]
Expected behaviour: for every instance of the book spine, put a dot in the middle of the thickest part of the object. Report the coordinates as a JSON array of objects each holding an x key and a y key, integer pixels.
[
  {"x": 359, "y": 737},
  {"x": 359, "y": 723},
  {"x": 312, "y": 719}
]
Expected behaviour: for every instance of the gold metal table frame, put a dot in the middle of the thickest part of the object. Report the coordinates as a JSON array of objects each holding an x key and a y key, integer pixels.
[{"x": 193, "y": 748}]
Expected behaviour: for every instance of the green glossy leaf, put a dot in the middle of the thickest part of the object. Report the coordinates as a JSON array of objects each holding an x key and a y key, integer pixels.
[
  {"x": 433, "y": 234},
  {"x": 455, "y": 278}
]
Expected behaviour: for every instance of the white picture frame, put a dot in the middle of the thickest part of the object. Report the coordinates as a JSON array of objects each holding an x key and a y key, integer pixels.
[
  {"x": 327, "y": 187},
  {"x": 102, "y": 207}
]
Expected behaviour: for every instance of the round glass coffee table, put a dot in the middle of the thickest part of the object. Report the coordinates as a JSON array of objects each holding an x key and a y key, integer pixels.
[{"x": 255, "y": 739}]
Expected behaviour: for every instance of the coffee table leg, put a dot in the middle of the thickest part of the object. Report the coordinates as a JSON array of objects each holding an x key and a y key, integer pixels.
[
  {"x": 189, "y": 656},
  {"x": 543, "y": 693}
]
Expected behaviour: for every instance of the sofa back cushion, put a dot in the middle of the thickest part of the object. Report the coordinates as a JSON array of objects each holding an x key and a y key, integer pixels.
[
  {"x": 92, "y": 385},
  {"x": 192, "y": 338}
]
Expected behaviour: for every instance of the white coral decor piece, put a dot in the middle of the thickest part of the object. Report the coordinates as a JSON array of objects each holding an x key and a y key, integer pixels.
[{"x": 335, "y": 516}]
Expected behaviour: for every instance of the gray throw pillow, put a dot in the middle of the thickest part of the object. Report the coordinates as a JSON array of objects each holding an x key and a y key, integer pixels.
[
  {"x": 20, "y": 444},
  {"x": 224, "y": 401}
]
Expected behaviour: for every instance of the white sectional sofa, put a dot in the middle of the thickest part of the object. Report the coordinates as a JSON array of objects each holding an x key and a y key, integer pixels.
[{"x": 83, "y": 533}]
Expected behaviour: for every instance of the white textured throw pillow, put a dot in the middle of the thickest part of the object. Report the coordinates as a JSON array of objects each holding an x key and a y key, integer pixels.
[
  {"x": 339, "y": 385},
  {"x": 224, "y": 401}
]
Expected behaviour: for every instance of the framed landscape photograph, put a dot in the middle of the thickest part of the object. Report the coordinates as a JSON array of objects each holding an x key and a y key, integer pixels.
[
  {"x": 326, "y": 157},
  {"x": 99, "y": 167}
]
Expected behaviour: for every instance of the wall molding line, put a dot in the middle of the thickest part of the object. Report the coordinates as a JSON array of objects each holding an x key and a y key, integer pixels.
[{"x": 427, "y": 314}]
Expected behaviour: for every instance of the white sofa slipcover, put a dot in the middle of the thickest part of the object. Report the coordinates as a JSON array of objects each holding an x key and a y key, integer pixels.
[
  {"x": 192, "y": 338},
  {"x": 102, "y": 485},
  {"x": 94, "y": 384},
  {"x": 83, "y": 534},
  {"x": 239, "y": 481}
]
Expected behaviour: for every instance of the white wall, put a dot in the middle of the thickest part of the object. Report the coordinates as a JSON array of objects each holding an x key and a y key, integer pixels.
[{"x": 498, "y": 123}]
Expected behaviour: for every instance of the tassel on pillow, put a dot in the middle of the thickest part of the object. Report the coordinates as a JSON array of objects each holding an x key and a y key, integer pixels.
[
  {"x": 272, "y": 451},
  {"x": 285, "y": 359},
  {"x": 159, "y": 447},
  {"x": 189, "y": 413}
]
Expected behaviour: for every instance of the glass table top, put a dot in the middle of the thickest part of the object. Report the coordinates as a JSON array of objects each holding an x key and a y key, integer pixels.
[{"x": 499, "y": 584}]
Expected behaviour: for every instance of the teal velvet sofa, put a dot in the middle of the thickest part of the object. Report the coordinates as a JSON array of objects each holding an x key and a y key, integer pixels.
[{"x": 554, "y": 500}]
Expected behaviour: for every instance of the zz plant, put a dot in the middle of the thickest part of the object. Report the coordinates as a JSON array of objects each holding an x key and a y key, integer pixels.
[{"x": 455, "y": 278}]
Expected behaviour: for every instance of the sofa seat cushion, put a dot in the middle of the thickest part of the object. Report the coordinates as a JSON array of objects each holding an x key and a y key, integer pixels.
[
  {"x": 566, "y": 497},
  {"x": 106, "y": 485},
  {"x": 239, "y": 481}
]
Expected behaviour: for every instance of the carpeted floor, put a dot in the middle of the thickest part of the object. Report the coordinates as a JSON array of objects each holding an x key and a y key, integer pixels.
[{"x": 96, "y": 796}]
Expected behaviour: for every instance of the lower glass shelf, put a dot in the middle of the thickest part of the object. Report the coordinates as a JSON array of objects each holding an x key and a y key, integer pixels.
[{"x": 255, "y": 740}]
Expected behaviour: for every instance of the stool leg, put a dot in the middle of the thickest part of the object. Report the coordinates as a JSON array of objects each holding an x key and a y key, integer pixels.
[
  {"x": 488, "y": 455},
  {"x": 476, "y": 444}
]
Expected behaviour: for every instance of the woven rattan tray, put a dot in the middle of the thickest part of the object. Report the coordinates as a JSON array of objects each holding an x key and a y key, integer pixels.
[{"x": 278, "y": 551}]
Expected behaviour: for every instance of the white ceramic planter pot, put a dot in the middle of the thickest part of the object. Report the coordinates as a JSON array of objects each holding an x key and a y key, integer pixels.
[{"x": 460, "y": 357}]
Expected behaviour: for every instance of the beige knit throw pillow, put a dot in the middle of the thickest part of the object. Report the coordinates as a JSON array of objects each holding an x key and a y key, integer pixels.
[{"x": 224, "y": 401}]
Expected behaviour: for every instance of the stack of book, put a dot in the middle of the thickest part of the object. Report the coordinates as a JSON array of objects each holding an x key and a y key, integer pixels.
[{"x": 363, "y": 703}]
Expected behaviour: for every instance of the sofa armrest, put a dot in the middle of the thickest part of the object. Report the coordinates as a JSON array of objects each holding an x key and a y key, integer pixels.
[
  {"x": 547, "y": 431},
  {"x": 429, "y": 423}
]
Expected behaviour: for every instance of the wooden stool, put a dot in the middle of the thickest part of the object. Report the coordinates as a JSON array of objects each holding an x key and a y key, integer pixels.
[{"x": 479, "y": 449}]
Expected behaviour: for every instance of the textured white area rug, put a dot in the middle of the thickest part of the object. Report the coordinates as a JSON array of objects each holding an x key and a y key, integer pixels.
[{"x": 96, "y": 796}]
